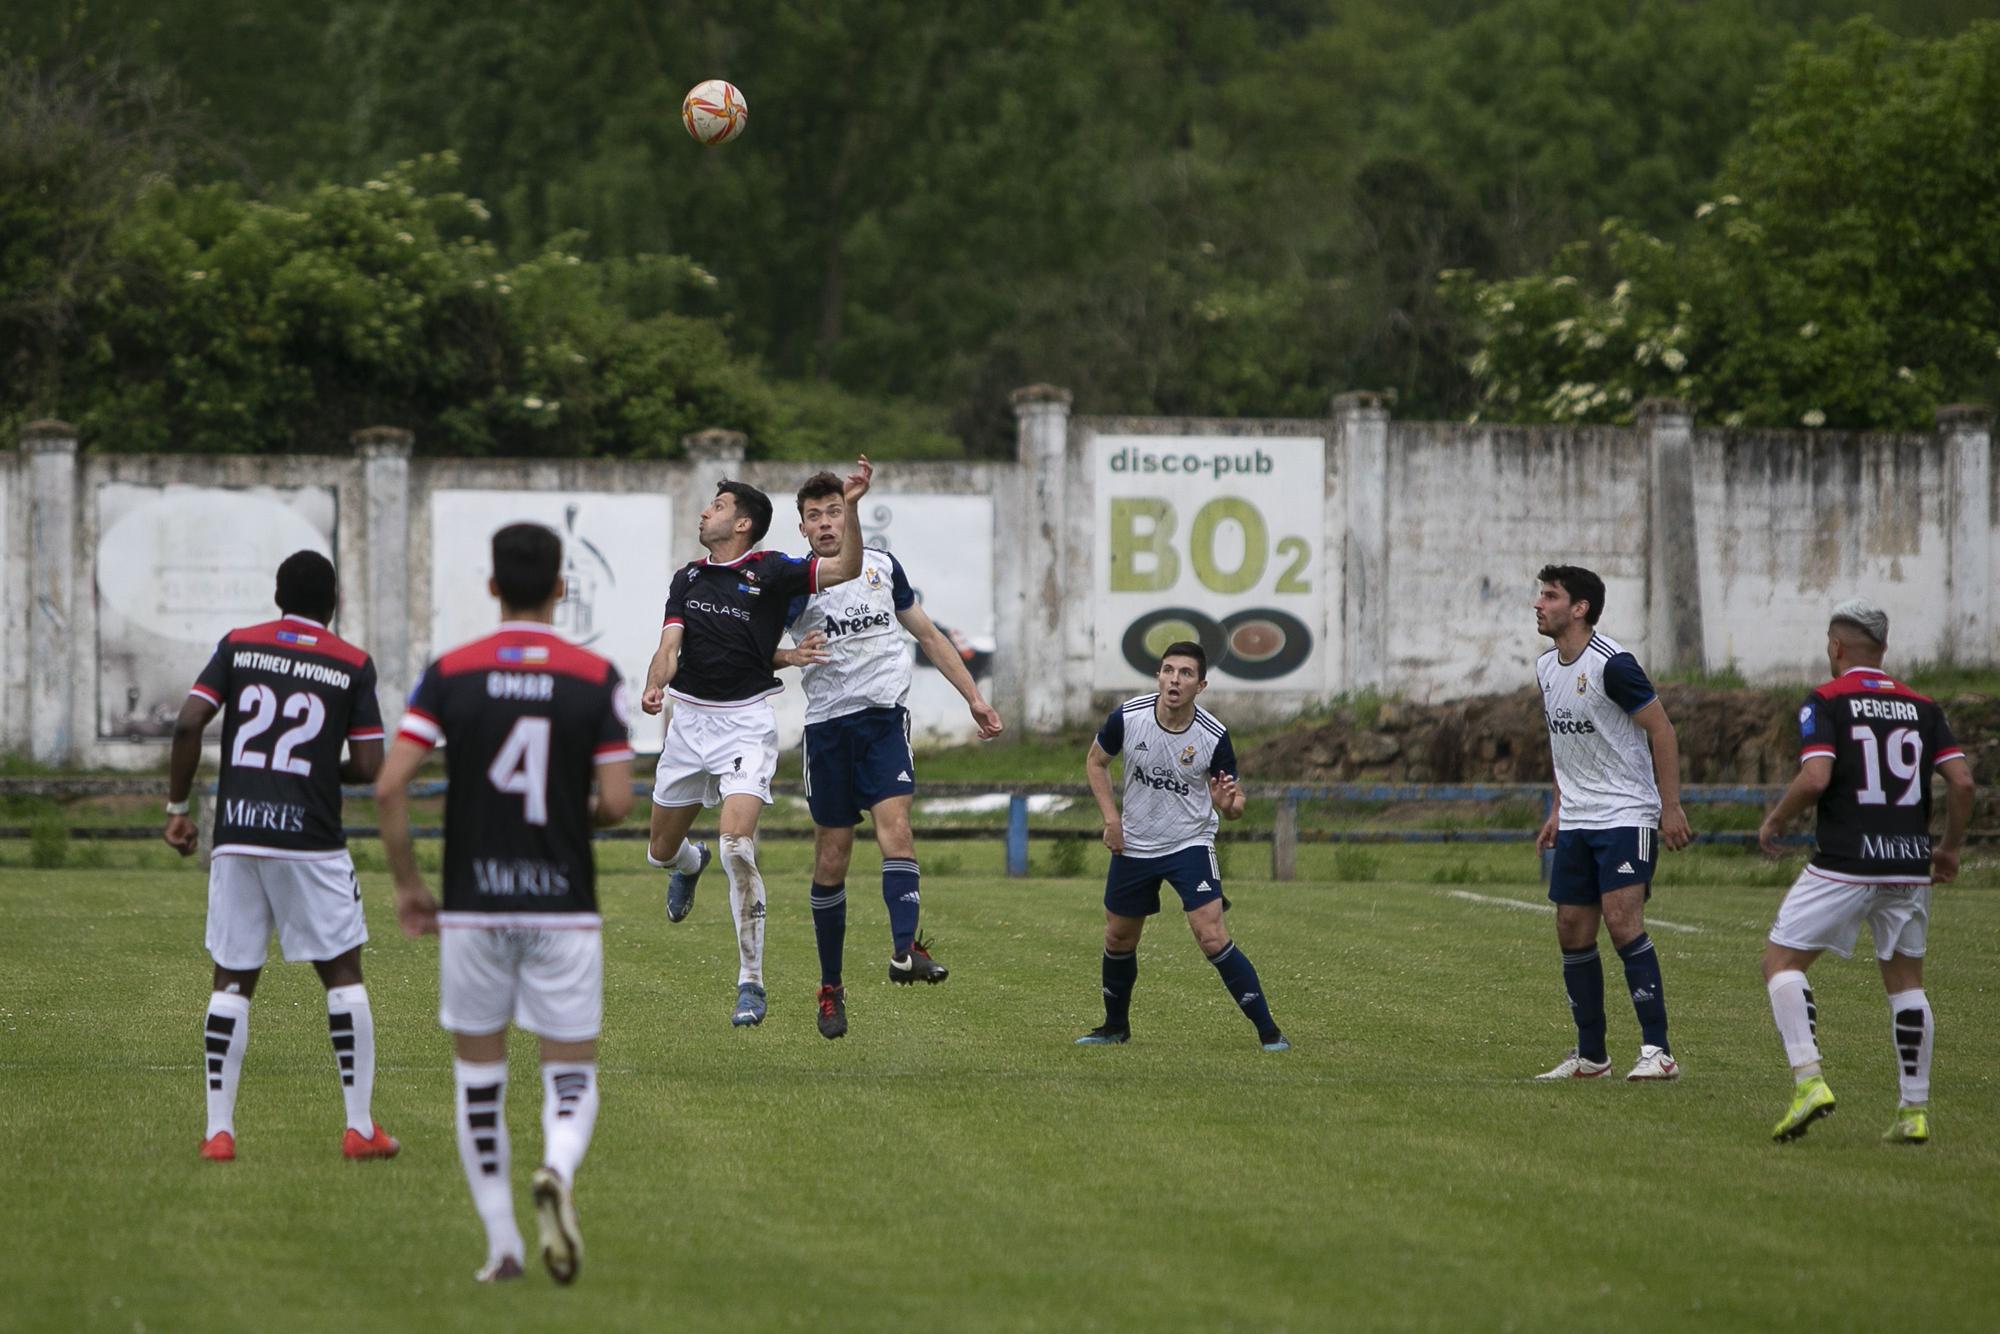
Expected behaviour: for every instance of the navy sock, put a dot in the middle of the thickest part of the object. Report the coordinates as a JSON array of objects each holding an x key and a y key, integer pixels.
[
  {"x": 829, "y": 905},
  {"x": 1649, "y": 997},
  {"x": 900, "y": 891},
  {"x": 1121, "y": 974},
  {"x": 1245, "y": 989},
  {"x": 1583, "y": 978}
]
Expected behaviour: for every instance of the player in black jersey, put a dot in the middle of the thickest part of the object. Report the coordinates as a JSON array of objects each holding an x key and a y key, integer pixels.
[
  {"x": 1868, "y": 746},
  {"x": 528, "y": 722},
  {"x": 724, "y": 616},
  {"x": 293, "y": 693}
]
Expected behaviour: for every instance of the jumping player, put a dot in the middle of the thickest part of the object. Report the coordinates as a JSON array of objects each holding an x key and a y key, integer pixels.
[
  {"x": 724, "y": 616},
  {"x": 528, "y": 721},
  {"x": 857, "y": 669},
  {"x": 292, "y": 692}
]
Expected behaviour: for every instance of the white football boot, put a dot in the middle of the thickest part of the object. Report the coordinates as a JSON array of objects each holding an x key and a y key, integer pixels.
[
  {"x": 1574, "y": 1066},
  {"x": 1654, "y": 1063}
]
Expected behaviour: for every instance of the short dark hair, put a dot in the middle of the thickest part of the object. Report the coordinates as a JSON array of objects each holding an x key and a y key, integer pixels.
[
  {"x": 307, "y": 586},
  {"x": 1582, "y": 586},
  {"x": 1187, "y": 648},
  {"x": 752, "y": 503},
  {"x": 527, "y": 561},
  {"x": 819, "y": 486}
]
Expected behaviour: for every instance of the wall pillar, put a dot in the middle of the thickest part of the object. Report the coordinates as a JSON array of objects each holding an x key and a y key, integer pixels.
[
  {"x": 1361, "y": 438},
  {"x": 384, "y": 452},
  {"x": 1039, "y": 540},
  {"x": 1673, "y": 560},
  {"x": 50, "y": 448},
  {"x": 1967, "y": 429}
]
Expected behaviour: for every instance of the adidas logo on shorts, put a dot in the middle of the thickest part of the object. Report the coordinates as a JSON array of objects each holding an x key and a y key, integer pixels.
[{"x": 1625, "y": 868}]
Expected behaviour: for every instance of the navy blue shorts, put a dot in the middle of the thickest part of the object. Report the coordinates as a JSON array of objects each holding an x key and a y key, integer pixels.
[
  {"x": 855, "y": 761},
  {"x": 1590, "y": 863},
  {"x": 1132, "y": 888}
]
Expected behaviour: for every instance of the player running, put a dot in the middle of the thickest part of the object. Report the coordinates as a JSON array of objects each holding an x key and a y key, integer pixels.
[
  {"x": 857, "y": 670},
  {"x": 724, "y": 616},
  {"x": 527, "y": 720},
  {"x": 292, "y": 692},
  {"x": 1867, "y": 747},
  {"x": 1618, "y": 796},
  {"x": 1180, "y": 774}
]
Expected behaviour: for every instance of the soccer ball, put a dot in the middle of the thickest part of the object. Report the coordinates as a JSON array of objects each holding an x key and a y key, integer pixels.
[{"x": 714, "y": 112}]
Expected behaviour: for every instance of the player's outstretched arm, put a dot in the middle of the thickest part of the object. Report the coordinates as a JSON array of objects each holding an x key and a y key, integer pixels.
[
  {"x": 660, "y": 672},
  {"x": 194, "y": 718},
  {"x": 415, "y": 908},
  {"x": 364, "y": 761},
  {"x": 1800, "y": 797},
  {"x": 1957, "y": 818},
  {"x": 1097, "y": 771},
  {"x": 847, "y": 564},
  {"x": 1666, "y": 747},
  {"x": 946, "y": 659},
  {"x": 805, "y": 653}
]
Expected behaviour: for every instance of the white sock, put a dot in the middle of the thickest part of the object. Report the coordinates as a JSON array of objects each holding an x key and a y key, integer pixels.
[
  {"x": 1798, "y": 1020},
  {"x": 352, "y": 1025},
  {"x": 225, "y": 1033},
  {"x": 483, "y": 1151},
  {"x": 569, "y": 1113},
  {"x": 687, "y": 860},
  {"x": 1915, "y": 1029},
  {"x": 746, "y": 905}
]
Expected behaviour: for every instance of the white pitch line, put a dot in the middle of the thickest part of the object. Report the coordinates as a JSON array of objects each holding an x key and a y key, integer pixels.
[{"x": 1525, "y": 906}]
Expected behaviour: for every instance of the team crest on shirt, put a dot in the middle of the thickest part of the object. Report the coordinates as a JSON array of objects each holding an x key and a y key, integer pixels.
[
  {"x": 1187, "y": 756},
  {"x": 1582, "y": 684},
  {"x": 1806, "y": 719}
]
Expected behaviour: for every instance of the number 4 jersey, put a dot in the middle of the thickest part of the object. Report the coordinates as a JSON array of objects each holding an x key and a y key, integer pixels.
[
  {"x": 525, "y": 718},
  {"x": 292, "y": 694},
  {"x": 1884, "y": 739}
]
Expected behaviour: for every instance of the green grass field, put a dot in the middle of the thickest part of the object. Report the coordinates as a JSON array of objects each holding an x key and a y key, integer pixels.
[{"x": 957, "y": 1164}]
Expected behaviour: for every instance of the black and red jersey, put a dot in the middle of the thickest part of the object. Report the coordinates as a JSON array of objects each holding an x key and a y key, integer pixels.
[
  {"x": 732, "y": 616},
  {"x": 292, "y": 694},
  {"x": 525, "y": 718},
  {"x": 1884, "y": 739}
]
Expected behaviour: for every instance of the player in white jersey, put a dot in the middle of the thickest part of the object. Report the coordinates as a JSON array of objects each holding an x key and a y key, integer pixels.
[
  {"x": 1179, "y": 775},
  {"x": 1617, "y": 779},
  {"x": 857, "y": 667}
]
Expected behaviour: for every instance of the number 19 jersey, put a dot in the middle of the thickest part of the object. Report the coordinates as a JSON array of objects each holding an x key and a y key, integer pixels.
[
  {"x": 292, "y": 694},
  {"x": 525, "y": 718},
  {"x": 1884, "y": 739}
]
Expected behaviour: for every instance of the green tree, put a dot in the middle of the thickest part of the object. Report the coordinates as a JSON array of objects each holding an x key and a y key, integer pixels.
[{"x": 1846, "y": 273}]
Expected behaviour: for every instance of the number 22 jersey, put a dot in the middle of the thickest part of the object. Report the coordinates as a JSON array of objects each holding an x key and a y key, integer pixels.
[
  {"x": 525, "y": 718},
  {"x": 293, "y": 693}
]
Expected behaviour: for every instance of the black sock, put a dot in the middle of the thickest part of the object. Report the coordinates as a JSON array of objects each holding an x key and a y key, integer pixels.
[
  {"x": 829, "y": 908},
  {"x": 1583, "y": 978},
  {"x": 1121, "y": 974},
  {"x": 1245, "y": 989},
  {"x": 1649, "y": 998}
]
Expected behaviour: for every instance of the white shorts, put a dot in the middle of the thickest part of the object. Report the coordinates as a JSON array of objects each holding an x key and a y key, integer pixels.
[
  {"x": 546, "y": 979},
  {"x": 1821, "y": 913},
  {"x": 711, "y": 753},
  {"x": 314, "y": 903}
]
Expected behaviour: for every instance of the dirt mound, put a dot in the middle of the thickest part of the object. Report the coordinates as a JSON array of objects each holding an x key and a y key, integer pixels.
[{"x": 1726, "y": 736}]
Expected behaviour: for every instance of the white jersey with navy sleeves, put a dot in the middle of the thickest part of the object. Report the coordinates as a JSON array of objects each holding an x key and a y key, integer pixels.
[
  {"x": 1603, "y": 763},
  {"x": 869, "y": 658},
  {"x": 1166, "y": 806}
]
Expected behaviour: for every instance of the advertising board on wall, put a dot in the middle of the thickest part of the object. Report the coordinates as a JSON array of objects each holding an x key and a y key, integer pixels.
[
  {"x": 1215, "y": 539},
  {"x": 618, "y": 555},
  {"x": 177, "y": 568}
]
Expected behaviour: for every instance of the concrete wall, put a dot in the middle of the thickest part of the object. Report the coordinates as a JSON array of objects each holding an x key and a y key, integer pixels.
[{"x": 1719, "y": 549}]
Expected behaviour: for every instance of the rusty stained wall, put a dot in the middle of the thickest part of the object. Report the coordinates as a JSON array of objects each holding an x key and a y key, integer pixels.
[
  {"x": 1790, "y": 523},
  {"x": 1474, "y": 512}
]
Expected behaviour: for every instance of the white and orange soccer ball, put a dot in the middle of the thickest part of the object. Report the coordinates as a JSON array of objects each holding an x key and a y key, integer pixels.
[{"x": 714, "y": 112}]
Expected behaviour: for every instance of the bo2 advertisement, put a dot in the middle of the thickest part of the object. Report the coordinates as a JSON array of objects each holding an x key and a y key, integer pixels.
[{"x": 1216, "y": 540}]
